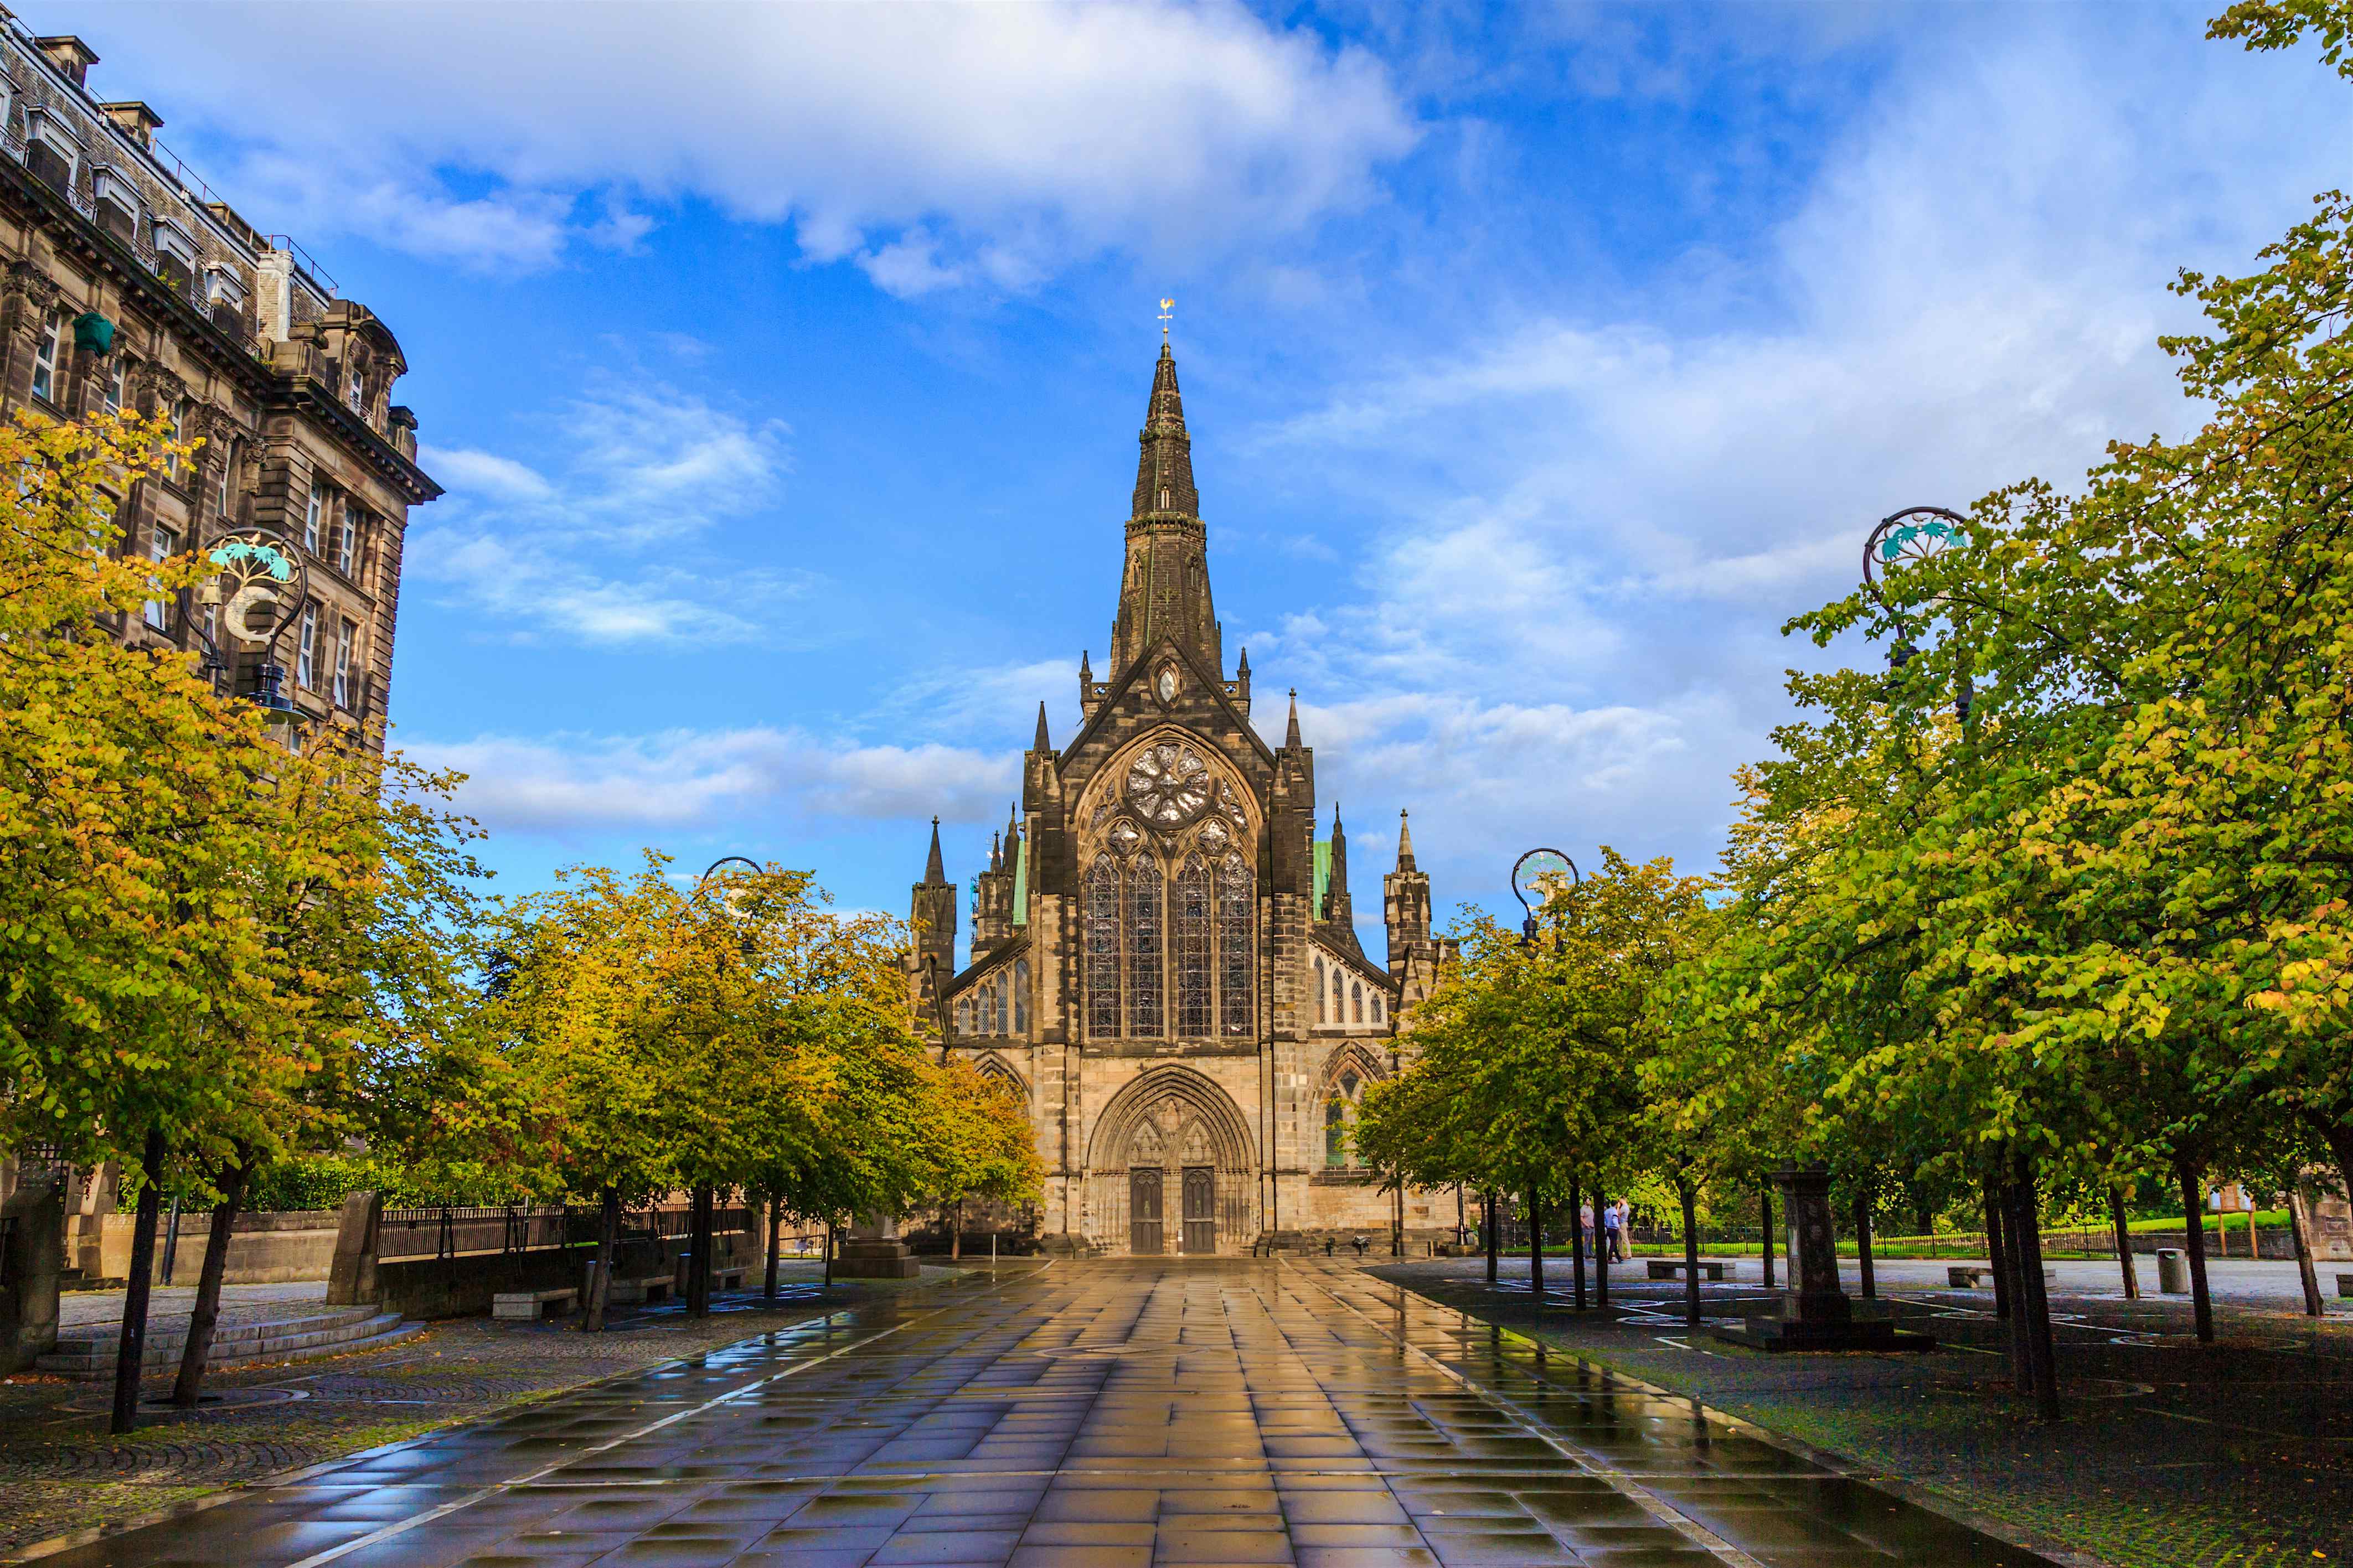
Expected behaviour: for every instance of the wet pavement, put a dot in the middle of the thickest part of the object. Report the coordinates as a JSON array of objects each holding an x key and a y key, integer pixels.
[{"x": 1110, "y": 1413}]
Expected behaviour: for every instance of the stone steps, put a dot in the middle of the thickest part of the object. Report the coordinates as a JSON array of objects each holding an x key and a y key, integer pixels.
[{"x": 334, "y": 1333}]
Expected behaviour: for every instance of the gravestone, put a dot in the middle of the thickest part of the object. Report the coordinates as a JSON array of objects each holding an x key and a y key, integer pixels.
[{"x": 1815, "y": 1313}]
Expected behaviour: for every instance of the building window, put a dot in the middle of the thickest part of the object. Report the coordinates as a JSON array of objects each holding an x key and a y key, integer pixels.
[
  {"x": 1004, "y": 1004},
  {"x": 306, "y": 651},
  {"x": 313, "y": 511},
  {"x": 1336, "y": 1131},
  {"x": 112, "y": 388},
  {"x": 1319, "y": 990},
  {"x": 44, "y": 357},
  {"x": 1102, "y": 949},
  {"x": 1143, "y": 915},
  {"x": 347, "y": 538},
  {"x": 1236, "y": 906},
  {"x": 347, "y": 634},
  {"x": 1021, "y": 998},
  {"x": 1376, "y": 1006},
  {"x": 1356, "y": 996},
  {"x": 1193, "y": 1016},
  {"x": 223, "y": 482},
  {"x": 173, "y": 461},
  {"x": 162, "y": 545},
  {"x": 1339, "y": 1001},
  {"x": 357, "y": 395},
  {"x": 964, "y": 1015}
]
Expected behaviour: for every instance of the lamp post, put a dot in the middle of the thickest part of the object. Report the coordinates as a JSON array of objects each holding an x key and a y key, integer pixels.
[
  {"x": 1899, "y": 540},
  {"x": 258, "y": 592},
  {"x": 1546, "y": 873}
]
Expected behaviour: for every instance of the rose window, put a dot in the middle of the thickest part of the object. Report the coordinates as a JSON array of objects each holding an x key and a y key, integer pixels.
[{"x": 1169, "y": 784}]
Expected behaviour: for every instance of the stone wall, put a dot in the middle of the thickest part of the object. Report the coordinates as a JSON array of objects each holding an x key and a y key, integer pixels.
[{"x": 263, "y": 1249}]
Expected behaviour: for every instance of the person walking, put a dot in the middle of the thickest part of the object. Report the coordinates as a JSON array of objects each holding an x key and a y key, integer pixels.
[
  {"x": 1625, "y": 1231},
  {"x": 1585, "y": 1220},
  {"x": 1610, "y": 1222}
]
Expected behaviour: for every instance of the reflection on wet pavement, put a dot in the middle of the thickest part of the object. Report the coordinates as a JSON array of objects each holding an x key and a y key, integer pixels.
[{"x": 1113, "y": 1414}]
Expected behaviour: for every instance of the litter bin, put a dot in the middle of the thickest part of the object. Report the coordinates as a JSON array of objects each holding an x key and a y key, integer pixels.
[{"x": 2172, "y": 1271}]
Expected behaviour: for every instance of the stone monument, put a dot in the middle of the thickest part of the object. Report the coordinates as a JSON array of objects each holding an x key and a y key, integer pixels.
[{"x": 1815, "y": 1313}]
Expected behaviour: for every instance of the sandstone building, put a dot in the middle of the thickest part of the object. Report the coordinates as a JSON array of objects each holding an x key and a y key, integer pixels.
[
  {"x": 126, "y": 283},
  {"x": 1164, "y": 962}
]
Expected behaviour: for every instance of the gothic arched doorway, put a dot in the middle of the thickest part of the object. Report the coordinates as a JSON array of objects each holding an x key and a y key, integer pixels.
[{"x": 1172, "y": 1140}]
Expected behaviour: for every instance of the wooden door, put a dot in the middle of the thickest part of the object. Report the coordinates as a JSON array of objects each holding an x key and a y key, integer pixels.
[
  {"x": 1143, "y": 1211},
  {"x": 1201, "y": 1209}
]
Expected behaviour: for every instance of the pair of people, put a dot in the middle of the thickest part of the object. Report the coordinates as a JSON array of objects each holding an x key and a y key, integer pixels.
[{"x": 1616, "y": 1224}]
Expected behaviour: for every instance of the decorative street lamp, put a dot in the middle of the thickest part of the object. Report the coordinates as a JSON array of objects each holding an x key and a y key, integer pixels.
[
  {"x": 257, "y": 594},
  {"x": 1901, "y": 539},
  {"x": 1545, "y": 873}
]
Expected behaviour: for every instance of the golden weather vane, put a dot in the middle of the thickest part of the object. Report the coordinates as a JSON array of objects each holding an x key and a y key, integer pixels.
[{"x": 1166, "y": 306}]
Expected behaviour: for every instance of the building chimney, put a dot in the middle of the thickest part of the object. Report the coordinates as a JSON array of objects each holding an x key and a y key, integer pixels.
[
  {"x": 71, "y": 55},
  {"x": 135, "y": 120}
]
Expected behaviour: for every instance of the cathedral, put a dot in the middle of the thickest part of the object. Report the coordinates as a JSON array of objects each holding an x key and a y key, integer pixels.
[{"x": 1164, "y": 962}]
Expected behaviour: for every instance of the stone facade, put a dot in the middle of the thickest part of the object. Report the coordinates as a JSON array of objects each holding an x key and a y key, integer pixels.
[
  {"x": 237, "y": 336},
  {"x": 1164, "y": 964}
]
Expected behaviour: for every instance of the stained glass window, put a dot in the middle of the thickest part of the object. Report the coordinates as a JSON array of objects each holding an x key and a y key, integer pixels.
[
  {"x": 1319, "y": 991},
  {"x": 1102, "y": 949},
  {"x": 1003, "y": 1002},
  {"x": 1234, "y": 911},
  {"x": 1193, "y": 1018},
  {"x": 1143, "y": 948},
  {"x": 1356, "y": 996},
  {"x": 1339, "y": 999},
  {"x": 1335, "y": 1132},
  {"x": 1022, "y": 997}
]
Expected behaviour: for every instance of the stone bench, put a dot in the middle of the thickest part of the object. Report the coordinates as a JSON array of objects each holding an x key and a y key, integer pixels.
[
  {"x": 728, "y": 1278},
  {"x": 643, "y": 1287},
  {"x": 528, "y": 1306},
  {"x": 1960, "y": 1277},
  {"x": 1672, "y": 1268}
]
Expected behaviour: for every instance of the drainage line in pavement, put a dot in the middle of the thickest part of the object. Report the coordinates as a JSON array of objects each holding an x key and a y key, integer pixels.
[
  {"x": 400, "y": 1526},
  {"x": 1620, "y": 1481}
]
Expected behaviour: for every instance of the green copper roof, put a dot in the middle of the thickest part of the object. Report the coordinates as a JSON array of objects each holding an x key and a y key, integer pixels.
[
  {"x": 1021, "y": 882},
  {"x": 1323, "y": 877}
]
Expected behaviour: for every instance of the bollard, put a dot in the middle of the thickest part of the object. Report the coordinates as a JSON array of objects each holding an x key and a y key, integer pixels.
[{"x": 2172, "y": 1271}]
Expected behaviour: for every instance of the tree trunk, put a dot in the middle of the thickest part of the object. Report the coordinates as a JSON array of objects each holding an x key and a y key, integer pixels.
[
  {"x": 1491, "y": 1220},
  {"x": 2202, "y": 1306},
  {"x": 2303, "y": 1240},
  {"x": 609, "y": 1253},
  {"x": 1397, "y": 1232},
  {"x": 1577, "y": 1245},
  {"x": 2013, "y": 1254},
  {"x": 1765, "y": 1214},
  {"x": 698, "y": 1252},
  {"x": 1600, "y": 1248},
  {"x": 1691, "y": 1253},
  {"x": 2026, "y": 1234},
  {"x": 955, "y": 1233},
  {"x": 2123, "y": 1244},
  {"x": 1535, "y": 1248},
  {"x": 204, "y": 1315},
  {"x": 829, "y": 1254},
  {"x": 776, "y": 1246},
  {"x": 1862, "y": 1244},
  {"x": 131, "y": 1351},
  {"x": 1996, "y": 1254}
]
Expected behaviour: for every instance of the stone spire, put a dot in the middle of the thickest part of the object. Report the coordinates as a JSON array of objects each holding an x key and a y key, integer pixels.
[
  {"x": 995, "y": 853},
  {"x": 936, "y": 873},
  {"x": 1013, "y": 818},
  {"x": 1164, "y": 581},
  {"x": 1405, "y": 911},
  {"x": 1291, "y": 730},
  {"x": 1337, "y": 906},
  {"x": 1405, "y": 843},
  {"x": 1041, "y": 743}
]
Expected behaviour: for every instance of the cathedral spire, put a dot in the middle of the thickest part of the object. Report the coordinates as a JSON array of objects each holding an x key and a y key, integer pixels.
[
  {"x": 1041, "y": 743},
  {"x": 1164, "y": 589},
  {"x": 1338, "y": 907},
  {"x": 995, "y": 853},
  {"x": 936, "y": 873},
  {"x": 1013, "y": 829},
  {"x": 1405, "y": 844},
  {"x": 1291, "y": 730}
]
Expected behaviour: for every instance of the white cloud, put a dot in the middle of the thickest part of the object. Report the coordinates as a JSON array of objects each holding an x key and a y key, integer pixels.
[
  {"x": 565, "y": 785},
  {"x": 933, "y": 142},
  {"x": 606, "y": 552}
]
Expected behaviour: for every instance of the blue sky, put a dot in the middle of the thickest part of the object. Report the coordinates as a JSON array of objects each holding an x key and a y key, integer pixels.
[{"x": 784, "y": 367}]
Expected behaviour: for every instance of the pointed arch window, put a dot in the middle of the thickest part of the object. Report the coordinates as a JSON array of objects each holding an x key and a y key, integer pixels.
[
  {"x": 1320, "y": 1006},
  {"x": 1102, "y": 949},
  {"x": 1356, "y": 998},
  {"x": 1004, "y": 1002},
  {"x": 964, "y": 1015},
  {"x": 1022, "y": 997},
  {"x": 1235, "y": 904},
  {"x": 1336, "y": 1131},
  {"x": 1144, "y": 960},
  {"x": 1339, "y": 997},
  {"x": 1193, "y": 1018}
]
